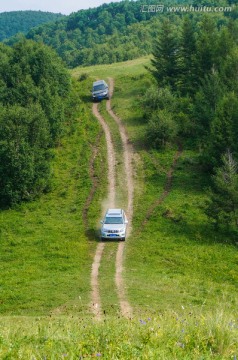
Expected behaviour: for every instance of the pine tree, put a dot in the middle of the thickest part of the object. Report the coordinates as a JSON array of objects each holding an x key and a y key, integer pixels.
[
  {"x": 222, "y": 207},
  {"x": 165, "y": 56},
  {"x": 186, "y": 59},
  {"x": 207, "y": 52},
  {"x": 224, "y": 133}
]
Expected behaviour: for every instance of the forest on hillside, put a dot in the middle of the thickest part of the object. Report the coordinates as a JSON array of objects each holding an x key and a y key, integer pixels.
[
  {"x": 112, "y": 32},
  {"x": 37, "y": 98},
  {"x": 194, "y": 102},
  {"x": 14, "y": 22}
]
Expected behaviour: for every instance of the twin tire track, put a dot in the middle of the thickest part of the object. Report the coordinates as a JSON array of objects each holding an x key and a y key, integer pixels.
[{"x": 125, "y": 307}]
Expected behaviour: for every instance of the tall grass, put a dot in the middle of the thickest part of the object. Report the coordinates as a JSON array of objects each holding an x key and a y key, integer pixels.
[{"x": 165, "y": 336}]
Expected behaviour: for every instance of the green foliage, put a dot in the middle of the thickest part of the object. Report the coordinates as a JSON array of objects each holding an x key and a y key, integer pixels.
[
  {"x": 24, "y": 142},
  {"x": 14, "y": 22},
  {"x": 223, "y": 133},
  {"x": 165, "y": 56},
  {"x": 109, "y": 33},
  {"x": 207, "y": 47},
  {"x": 186, "y": 61},
  {"x": 198, "y": 63},
  {"x": 158, "y": 98},
  {"x": 161, "y": 128},
  {"x": 205, "y": 102},
  {"x": 36, "y": 95},
  {"x": 222, "y": 207},
  {"x": 118, "y": 32}
]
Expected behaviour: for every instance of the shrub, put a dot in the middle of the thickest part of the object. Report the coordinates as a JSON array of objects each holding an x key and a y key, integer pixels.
[{"x": 161, "y": 128}]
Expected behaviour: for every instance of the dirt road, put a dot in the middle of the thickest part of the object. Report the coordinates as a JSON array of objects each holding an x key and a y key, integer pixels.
[
  {"x": 96, "y": 302},
  {"x": 126, "y": 309}
]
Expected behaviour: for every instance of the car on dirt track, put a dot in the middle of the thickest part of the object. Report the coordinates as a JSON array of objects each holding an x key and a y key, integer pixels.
[
  {"x": 114, "y": 225},
  {"x": 100, "y": 90}
]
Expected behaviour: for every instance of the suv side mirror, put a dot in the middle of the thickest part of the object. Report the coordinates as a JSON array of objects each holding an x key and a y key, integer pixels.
[
  {"x": 101, "y": 221},
  {"x": 126, "y": 221}
]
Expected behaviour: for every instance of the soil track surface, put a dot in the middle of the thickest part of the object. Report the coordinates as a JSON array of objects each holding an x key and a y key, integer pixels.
[
  {"x": 126, "y": 309},
  {"x": 127, "y": 154},
  {"x": 96, "y": 302}
]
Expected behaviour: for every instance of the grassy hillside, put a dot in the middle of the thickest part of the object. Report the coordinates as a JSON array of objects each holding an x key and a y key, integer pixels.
[
  {"x": 175, "y": 261},
  {"x": 106, "y": 34},
  {"x": 14, "y": 22},
  {"x": 181, "y": 276},
  {"x": 45, "y": 251},
  {"x": 188, "y": 263},
  {"x": 117, "y": 31}
]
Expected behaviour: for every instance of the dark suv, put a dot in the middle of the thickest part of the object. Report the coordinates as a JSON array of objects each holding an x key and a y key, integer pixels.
[{"x": 100, "y": 90}]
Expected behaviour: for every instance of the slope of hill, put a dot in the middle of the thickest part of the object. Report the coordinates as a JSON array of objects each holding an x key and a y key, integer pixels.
[
  {"x": 180, "y": 278},
  {"x": 14, "y": 22},
  {"x": 111, "y": 32}
]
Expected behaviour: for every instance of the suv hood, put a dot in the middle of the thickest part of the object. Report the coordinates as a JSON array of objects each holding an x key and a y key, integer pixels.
[{"x": 113, "y": 226}]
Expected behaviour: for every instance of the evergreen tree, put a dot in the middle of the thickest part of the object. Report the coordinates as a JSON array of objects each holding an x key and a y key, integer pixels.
[
  {"x": 207, "y": 47},
  {"x": 186, "y": 59},
  {"x": 224, "y": 131},
  {"x": 222, "y": 207},
  {"x": 165, "y": 56},
  {"x": 205, "y": 102}
]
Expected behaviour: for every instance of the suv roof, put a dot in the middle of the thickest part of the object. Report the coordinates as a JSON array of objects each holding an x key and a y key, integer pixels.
[
  {"x": 98, "y": 82},
  {"x": 115, "y": 212}
]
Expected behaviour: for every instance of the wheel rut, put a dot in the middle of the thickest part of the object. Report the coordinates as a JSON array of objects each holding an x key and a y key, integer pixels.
[
  {"x": 125, "y": 307},
  {"x": 95, "y": 297}
]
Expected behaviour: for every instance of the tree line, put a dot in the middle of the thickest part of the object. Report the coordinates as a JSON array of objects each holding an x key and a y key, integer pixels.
[
  {"x": 14, "y": 22},
  {"x": 195, "y": 99},
  {"x": 109, "y": 33},
  {"x": 36, "y": 96}
]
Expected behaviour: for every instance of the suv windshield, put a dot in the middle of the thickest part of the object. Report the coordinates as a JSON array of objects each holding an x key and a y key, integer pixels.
[
  {"x": 113, "y": 220},
  {"x": 99, "y": 87}
]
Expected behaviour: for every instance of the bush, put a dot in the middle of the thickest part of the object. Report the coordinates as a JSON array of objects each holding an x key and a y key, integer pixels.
[
  {"x": 161, "y": 128},
  {"x": 158, "y": 98}
]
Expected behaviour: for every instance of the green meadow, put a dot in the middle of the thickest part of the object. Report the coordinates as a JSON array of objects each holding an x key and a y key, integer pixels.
[
  {"x": 46, "y": 254},
  {"x": 180, "y": 275}
]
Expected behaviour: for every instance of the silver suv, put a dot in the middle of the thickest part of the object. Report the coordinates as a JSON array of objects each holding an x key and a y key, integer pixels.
[
  {"x": 100, "y": 90},
  {"x": 114, "y": 225}
]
